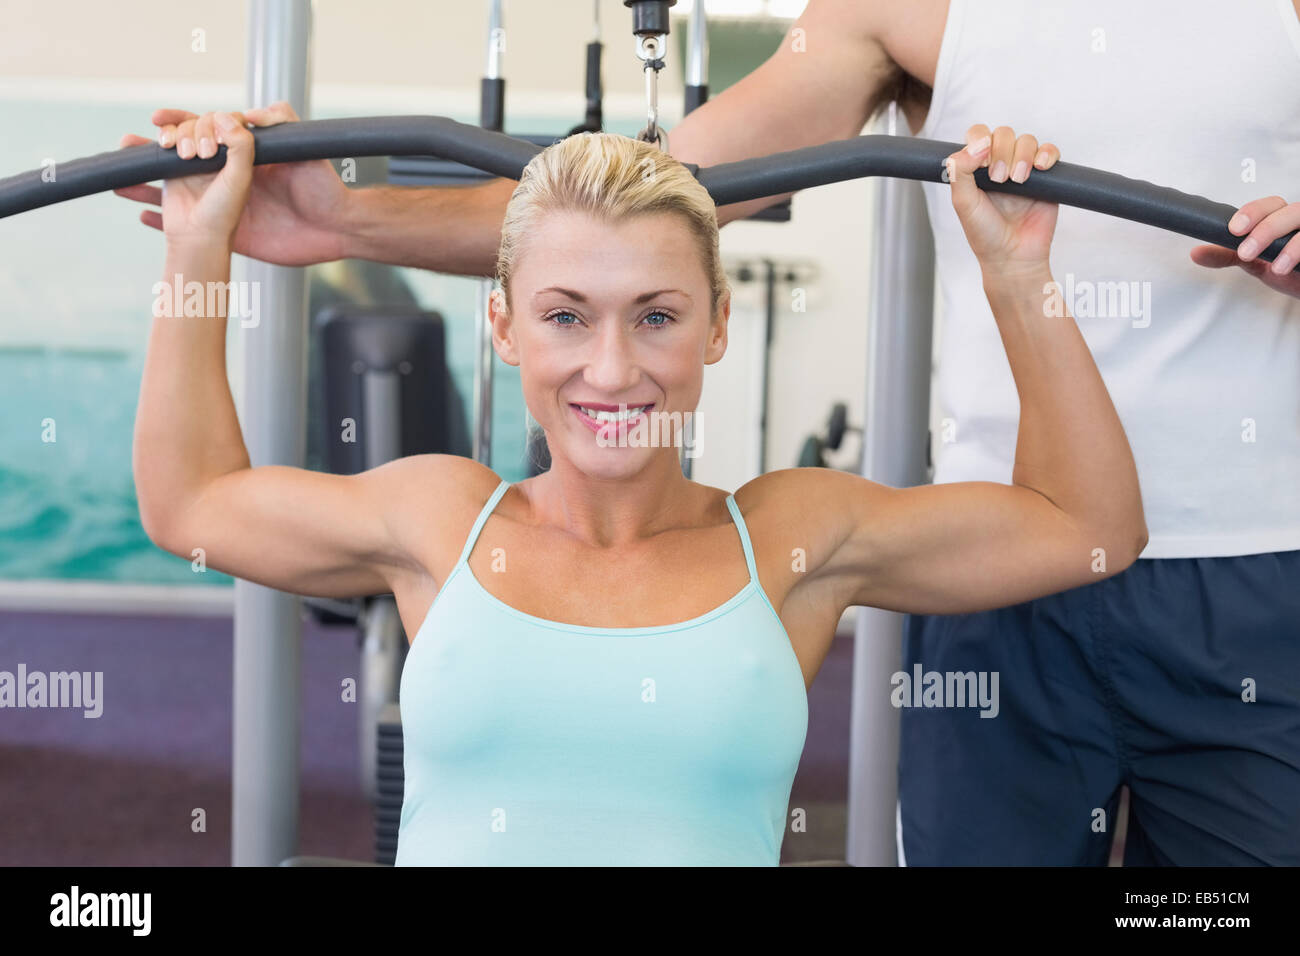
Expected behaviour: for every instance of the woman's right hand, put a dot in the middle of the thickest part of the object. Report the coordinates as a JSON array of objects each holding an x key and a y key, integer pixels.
[{"x": 294, "y": 211}]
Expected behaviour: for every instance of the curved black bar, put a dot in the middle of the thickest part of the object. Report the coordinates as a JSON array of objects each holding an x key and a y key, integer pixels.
[
  {"x": 290, "y": 142},
  {"x": 922, "y": 159},
  {"x": 501, "y": 155}
]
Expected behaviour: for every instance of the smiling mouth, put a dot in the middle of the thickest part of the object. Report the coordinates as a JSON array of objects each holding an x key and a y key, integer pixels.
[{"x": 599, "y": 418}]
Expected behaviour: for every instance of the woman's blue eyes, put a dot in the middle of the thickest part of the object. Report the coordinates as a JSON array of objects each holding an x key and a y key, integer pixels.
[{"x": 667, "y": 318}]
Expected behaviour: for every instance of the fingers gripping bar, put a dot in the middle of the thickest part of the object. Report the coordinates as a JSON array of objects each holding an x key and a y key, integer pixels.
[{"x": 501, "y": 155}]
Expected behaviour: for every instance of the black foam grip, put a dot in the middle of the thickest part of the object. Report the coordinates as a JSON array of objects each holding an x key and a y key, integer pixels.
[
  {"x": 438, "y": 136},
  {"x": 696, "y": 96},
  {"x": 593, "y": 72},
  {"x": 492, "y": 104},
  {"x": 862, "y": 156},
  {"x": 923, "y": 159}
]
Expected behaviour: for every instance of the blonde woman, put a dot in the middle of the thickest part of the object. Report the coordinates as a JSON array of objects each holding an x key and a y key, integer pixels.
[{"x": 609, "y": 662}]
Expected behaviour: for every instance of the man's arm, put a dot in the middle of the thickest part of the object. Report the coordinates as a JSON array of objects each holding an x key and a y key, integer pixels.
[
  {"x": 821, "y": 85},
  {"x": 453, "y": 229},
  {"x": 829, "y": 75}
]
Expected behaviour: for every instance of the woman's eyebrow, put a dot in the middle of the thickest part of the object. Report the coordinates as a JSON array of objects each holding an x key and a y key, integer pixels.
[{"x": 579, "y": 297}]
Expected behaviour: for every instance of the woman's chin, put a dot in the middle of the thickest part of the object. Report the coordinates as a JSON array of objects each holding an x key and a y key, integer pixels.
[{"x": 610, "y": 462}]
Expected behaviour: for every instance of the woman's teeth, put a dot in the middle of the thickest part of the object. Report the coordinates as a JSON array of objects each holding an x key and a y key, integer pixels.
[{"x": 620, "y": 416}]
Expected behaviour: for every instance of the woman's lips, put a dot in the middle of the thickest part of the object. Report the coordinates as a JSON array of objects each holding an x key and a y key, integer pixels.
[{"x": 610, "y": 428}]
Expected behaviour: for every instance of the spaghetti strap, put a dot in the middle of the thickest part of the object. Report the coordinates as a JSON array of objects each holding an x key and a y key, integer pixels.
[
  {"x": 482, "y": 519},
  {"x": 744, "y": 538}
]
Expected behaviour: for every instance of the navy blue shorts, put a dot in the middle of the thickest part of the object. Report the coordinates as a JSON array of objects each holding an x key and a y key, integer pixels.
[{"x": 1179, "y": 677}]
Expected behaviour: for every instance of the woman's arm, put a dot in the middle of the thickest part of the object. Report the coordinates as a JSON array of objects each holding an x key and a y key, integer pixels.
[
  {"x": 1073, "y": 513},
  {"x": 287, "y": 528}
]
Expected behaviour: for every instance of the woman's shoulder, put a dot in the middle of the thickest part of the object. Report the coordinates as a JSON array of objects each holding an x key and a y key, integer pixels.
[
  {"x": 820, "y": 507},
  {"x": 443, "y": 494},
  {"x": 452, "y": 479},
  {"x": 798, "y": 489}
]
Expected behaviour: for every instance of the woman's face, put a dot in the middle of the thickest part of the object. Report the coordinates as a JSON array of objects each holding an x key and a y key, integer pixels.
[{"x": 607, "y": 315}]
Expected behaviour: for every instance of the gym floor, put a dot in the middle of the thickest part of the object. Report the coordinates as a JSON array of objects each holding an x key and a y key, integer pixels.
[{"x": 124, "y": 789}]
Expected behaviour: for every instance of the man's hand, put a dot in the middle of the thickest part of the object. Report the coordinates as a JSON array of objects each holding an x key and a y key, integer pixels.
[
  {"x": 1264, "y": 220},
  {"x": 294, "y": 212}
]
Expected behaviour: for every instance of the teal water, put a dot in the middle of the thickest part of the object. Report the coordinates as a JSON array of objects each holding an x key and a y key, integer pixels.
[
  {"x": 68, "y": 506},
  {"x": 75, "y": 283},
  {"x": 67, "y": 500}
]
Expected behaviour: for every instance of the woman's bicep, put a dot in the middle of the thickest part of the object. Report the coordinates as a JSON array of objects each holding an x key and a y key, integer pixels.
[
  {"x": 299, "y": 531},
  {"x": 970, "y": 546}
]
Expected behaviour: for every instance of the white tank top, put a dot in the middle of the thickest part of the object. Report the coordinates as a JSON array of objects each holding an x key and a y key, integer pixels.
[{"x": 1203, "y": 365}]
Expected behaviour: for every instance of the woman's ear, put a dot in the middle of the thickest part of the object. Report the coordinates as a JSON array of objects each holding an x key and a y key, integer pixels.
[
  {"x": 717, "y": 344},
  {"x": 503, "y": 333}
]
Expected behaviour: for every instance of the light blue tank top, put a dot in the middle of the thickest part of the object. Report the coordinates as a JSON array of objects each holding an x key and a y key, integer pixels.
[{"x": 532, "y": 742}]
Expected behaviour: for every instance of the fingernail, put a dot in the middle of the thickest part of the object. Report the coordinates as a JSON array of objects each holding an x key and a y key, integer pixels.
[
  {"x": 186, "y": 148},
  {"x": 1238, "y": 222},
  {"x": 1040, "y": 158},
  {"x": 1282, "y": 264},
  {"x": 999, "y": 172},
  {"x": 1248, "y": 248},
  {"x": 952, "y": 168},
  {"x": 979, "y": 145},
  {"x": 165, "y": 138},
  {"x": 205, "y": 145},
  {"x": 1021, "y": 172}
]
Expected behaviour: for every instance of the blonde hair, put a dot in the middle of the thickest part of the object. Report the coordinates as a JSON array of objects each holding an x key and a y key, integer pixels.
[{"x": 610, "y": 177}]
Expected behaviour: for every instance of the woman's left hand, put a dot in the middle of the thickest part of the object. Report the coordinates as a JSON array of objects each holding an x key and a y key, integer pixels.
[{"x": 1260, "y": 222}]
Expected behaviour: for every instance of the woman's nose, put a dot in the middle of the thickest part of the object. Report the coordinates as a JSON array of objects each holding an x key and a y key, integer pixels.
[{"x": 611, "y": 362}]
